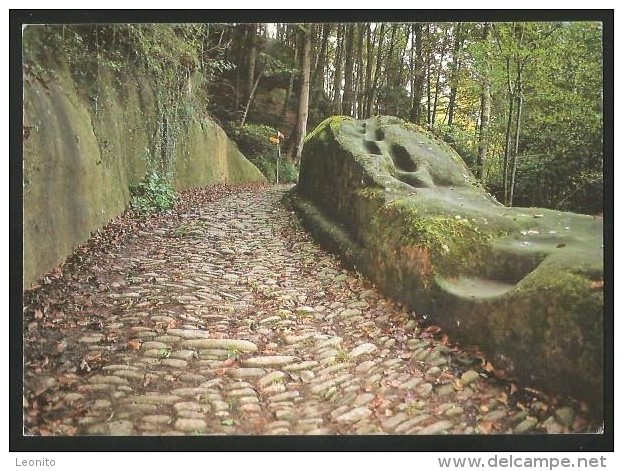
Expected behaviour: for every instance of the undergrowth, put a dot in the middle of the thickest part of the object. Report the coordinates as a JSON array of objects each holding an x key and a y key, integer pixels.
[
  {"x": 254, "y": 142},
  {"x": 151, "y": 195}
]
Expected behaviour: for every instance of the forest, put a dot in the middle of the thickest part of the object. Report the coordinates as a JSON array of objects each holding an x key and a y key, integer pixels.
[
  {"x": 521, "y": 102},
  {"x": 170, "y": 288}
]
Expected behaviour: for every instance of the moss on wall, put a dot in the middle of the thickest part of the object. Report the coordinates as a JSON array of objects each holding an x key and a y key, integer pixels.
[{"x": 86, "y": 143}]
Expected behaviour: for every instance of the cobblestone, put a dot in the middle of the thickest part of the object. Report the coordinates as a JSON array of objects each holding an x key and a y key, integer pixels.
[{"x": 248, "y": 327}]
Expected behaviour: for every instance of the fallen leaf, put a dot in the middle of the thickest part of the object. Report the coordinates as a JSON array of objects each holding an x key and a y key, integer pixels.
[
  {"x": 38, "y": 314},
  {"x": 61, "y": 346},
  {"x": 599, "y": 284},
  {"x": 488, "y": 367},
  {"x": 376, "y": 402},
  {"x": 68, "y": 379},
  {"x": 484, "y": 408},
  {"x": 433, "y": 329},
  {"x": 445, "y": 375},
  {"x": 485, "y": 426},
  {"x": 503, "y": 398},
  {"x": 94, "y": 357},
  {"x": 134, "y": 344},
  {"x": 513, "y": 388}
]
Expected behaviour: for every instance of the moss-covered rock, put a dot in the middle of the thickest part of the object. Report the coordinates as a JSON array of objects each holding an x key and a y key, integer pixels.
[
  {"x": 80, "y": 157},
  {"x": 522, "y": 283}
]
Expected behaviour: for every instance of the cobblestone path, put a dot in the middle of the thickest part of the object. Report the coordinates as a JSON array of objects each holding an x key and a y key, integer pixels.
[{"x": 234, "y": 322}]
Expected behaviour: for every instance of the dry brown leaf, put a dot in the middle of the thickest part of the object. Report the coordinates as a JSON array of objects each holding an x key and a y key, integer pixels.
[
  {"x": 376, "y": 402},
  {"x": 599, "y": 284},
  {"x": 485, "y": 426},
  {"x": 61, "y": 346},
  {"x": 433, "y": 329},
  {"x": 445, "y": 375},
  {"x": 134, "y": 344},
  {"x": 68, "y": 378},
  {"x": 38, "y": 314},
  {"x": 503, "y": 398},
  {"x": 94, "y": 357}
]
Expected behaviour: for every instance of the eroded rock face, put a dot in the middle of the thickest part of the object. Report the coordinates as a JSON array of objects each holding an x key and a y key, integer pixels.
[
  {"x": 525, "y": 284},
  {"x": 78, "y": 162}
]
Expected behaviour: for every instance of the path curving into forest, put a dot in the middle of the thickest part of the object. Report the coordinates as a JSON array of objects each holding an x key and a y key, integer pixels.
[{"x": 229, "y": 319}]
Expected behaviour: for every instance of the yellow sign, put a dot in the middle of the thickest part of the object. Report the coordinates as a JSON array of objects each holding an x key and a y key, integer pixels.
[{"x": 274, "y": 139}]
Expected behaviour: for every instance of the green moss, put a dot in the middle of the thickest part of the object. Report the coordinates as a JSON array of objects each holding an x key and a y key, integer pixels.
[
  {"x": 455, "y": 244},
  {"x": 332, "y": 122}
]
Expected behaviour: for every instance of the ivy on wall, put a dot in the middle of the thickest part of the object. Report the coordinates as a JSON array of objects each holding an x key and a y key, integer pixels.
[{"x": 176, "y": 59}]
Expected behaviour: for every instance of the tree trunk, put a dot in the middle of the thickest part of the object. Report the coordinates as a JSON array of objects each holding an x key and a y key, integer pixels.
[
  {"x": 517, "y": 133},
  {"x": 411, "y": 37},
  {"x": 377, "y": 71},
  {"x": 369, "y": 63},
  {"x": 239, "y": 37},
  {"x": 284, "y": 110},
  {"x": 251, "y": 95},
  {"x": 300, "y": 128},
  {"x": 456, "y": 65},
  {"x": 507, "y": 147},
  {"x": 485, "y": 116},
  {"x": 317, "y": 81},
  {"x": 337, "y": 77},
  {"x": 418, "y": 79},
  {"x": 360, "y": 73},
  {"x": 347, "y": 104},
  {"x": 389, "y": 72},
  {"x": 428, "y": 90},
  {"x": 438, "y": 80},
  {"x": 251, "y": 57}
]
